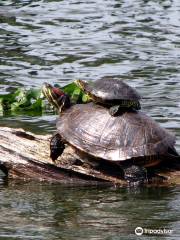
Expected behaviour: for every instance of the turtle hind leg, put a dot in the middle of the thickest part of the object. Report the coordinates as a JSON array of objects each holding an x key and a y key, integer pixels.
[
  {"x": 57, "y": 146},
  {"x": 135, "y": 174}
]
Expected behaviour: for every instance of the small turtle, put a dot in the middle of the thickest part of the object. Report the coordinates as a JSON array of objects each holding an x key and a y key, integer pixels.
[
  {"x": 111, "y": 92},
  {"x": 131, "y": 140}
]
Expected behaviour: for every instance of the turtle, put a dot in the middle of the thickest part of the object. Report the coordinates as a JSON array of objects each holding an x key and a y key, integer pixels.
[
  {"x": 111, "y": 92},
  {"x": 132, "y": 141}
]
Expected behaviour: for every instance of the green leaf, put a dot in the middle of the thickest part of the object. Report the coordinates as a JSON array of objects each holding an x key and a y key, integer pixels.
[
  {"x": 21, "y": 101},
  {"x": 32, "y": 102},
  {"x": 34, "y": 93},
  {"x": 14, "y": 106},
  {"x": 1, "y": 107},
  {"x": 70, "y": 88},
  {"x": 85, "y": 98},
  {"x": 37, "y": 105},
  {"x": 21, "y": 97},
  {"x": 75, "y": 93}
]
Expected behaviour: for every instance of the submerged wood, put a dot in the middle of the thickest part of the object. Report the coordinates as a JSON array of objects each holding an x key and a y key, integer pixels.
[{"x": 26, "y": 156}]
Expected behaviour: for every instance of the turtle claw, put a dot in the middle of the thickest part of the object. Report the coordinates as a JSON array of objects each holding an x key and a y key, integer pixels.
[{"x": 114, "y": 110}]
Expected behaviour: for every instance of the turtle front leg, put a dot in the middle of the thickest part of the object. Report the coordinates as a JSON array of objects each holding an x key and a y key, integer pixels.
[
  {"x": 57, "y": 146},
  {"x": 117, "y": 110}
]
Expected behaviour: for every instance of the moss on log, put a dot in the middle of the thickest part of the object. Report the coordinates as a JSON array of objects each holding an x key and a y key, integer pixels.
[{"x": 26, "y": 156}]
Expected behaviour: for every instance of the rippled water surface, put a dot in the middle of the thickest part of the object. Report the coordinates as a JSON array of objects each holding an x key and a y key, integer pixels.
[
  {"x": 35, "y": 211},
  {"x": 59, "y": 41}
]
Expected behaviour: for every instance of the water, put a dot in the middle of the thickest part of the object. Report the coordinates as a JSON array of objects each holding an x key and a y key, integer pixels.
[
  {"x": 35, "y": 211},
  {"x": 57, "y": 42}
]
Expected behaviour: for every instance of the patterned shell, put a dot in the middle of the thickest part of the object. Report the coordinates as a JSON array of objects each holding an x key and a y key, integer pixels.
[
  {"x": 91, "y": 129},
  {"x": 111, "y": 89}
]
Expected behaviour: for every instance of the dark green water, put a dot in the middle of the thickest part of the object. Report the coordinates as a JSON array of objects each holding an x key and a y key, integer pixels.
[
  {"x": 35, "y": 211},
  {"x": 57, "y": 42}
]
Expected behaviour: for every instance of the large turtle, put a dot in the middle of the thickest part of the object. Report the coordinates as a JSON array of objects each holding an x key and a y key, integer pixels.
[
  {"x": 131, "y": 140},
  {"x": 111, "y": 92}
]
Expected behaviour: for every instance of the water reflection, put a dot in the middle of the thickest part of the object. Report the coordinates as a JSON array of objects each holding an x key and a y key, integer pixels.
[
  {"x": 30, "y": 123},
  {"x": 61, "y": 212}
]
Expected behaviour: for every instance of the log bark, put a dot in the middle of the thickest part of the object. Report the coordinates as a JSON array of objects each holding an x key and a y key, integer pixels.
[{"x": 25, "y": 155}]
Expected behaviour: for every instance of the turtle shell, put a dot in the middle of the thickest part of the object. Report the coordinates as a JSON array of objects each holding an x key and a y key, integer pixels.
[
  {"x": 91, "y": 129},
  {"x": 111, "y": 90}
]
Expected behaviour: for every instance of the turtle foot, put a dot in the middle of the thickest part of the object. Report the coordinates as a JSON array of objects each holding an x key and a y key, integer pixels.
[
  {"x": 135, "y": 174},
  {"x": 57, "y": 146}
]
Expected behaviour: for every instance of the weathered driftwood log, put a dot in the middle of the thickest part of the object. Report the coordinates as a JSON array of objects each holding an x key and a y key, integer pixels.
[{"x": 26, "y": 156}]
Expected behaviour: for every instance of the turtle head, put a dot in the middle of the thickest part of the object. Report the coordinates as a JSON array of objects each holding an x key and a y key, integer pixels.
[
  {"x": 81, "y": 84},
  {"x": 86, "y": 88},
  {"x": 56, "y": 97}
]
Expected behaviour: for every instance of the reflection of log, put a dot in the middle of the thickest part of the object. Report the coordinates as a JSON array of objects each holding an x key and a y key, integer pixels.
[{"x": 25, "y": 155}]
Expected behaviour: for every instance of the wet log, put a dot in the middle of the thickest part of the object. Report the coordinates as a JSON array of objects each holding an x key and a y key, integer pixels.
[{"x": 24, "y": 155}]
